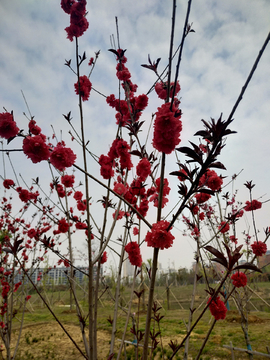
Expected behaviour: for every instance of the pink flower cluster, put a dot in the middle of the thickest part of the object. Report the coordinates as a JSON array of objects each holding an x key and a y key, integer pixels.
[
  {"x": 78, "y": 21},
  {"x": 217, "y": 308},
  {"x": 162, "y": 89},
  {"x": 254, "y": 205},
  {"x": 26, "y": 195},
  {"x": 122, "y": 72},
  {"x": 259, "y": 248},
  {"x": 83, "y": 87},
  {"x": 202, "y": 197},
  {"x": 224, "y": 227},
  {"x": 119, "y": 149},
  {"x": 7, "y": 183},
  {"x": 8, "y": 127},
  {"x": 35, "y": 148},
  {"x": 68, "y": 180},
  {"x": 156, "y": 190},
  {"x": 62, "y": 157},
  {"x": 239, "y": 279},
  {"x": 159, "y": 237},
  {"x": 134, "y": 253},
  {"x": 167, "y": 128},
  {"x": 129, "y": 110},
  {"x": 63, "y": 226},
  {"x": 104, "y": 258},
  {"x": 143, "y": 169},
  {"x": 211, "y": 180}
]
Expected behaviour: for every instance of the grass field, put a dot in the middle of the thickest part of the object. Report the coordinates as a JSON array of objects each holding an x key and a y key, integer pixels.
[{"x": 43, "y": 338}]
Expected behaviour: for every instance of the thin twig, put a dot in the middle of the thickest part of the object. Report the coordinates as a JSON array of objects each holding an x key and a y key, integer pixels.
[{"x": 249, "y": 77}]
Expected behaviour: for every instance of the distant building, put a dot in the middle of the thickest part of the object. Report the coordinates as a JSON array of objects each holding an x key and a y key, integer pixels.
[
  {"x": 128, "y": 269},
  {"x": 54, "y": 276},
  {"x": 264, "y": 260}
]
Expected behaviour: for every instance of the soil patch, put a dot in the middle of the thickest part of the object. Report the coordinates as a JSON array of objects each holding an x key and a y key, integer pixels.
[
  {"x": 233, "y": 316},
  {"x": 48, "y": 341}
]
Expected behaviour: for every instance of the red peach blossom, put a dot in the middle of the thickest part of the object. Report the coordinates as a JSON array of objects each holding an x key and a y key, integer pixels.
[
  {"x": 159, "y": 237},
  {"x": 239, "y": 279},
  {"x": 217, "y": 308},
  {"x": 259, "y": 248},
  {"x": 62, "y": 157},
  {"x": 8, "y": 127},
  {"x": 35, "y": 148}
]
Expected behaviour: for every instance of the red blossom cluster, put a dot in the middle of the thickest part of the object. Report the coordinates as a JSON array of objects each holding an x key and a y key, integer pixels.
[
  {"x": 143, "y": 169},
  {"x": 159, "y": 237},
  {"x": 136, "y": 193},
  {"x": 119, "y": 149},
  {"x": 253, "y": 205},
  {"x": 35, "y": 148},
  {"x": 63, "y": 226},
  {"x": 224, "y": 227},
  {"x": 217, "y": 308},
  {"x": 143, "y": 207},
  {"x": 78, "y": 195},
  {"x": 26, "y": 195},
  {"x": 162, "y": 89},
  {"x": 83, "y": 87},
  {"x": 32, "y": 233},
  {"x": 17, "y": 285},
  {"x": 106, "y": 167},
  {"x": 120, "y": 215},
  {"x": 167, "y": 128},
  {"x": 259, "y": 248},
  {"x": 134, "y": 253},
  {"x": 60, "y": 191},
  {"x": 120, "y": 188},
  {"x": 208, "y": 210},
  {"x": 64, "y": 261},
  {"x": 8, "y": 127},
  {"x": 62, "y": 156},
  {"x": 81, "y": 225},
  {"x": 166, "y": 191},
  {"x": 81, "y": 205},
  {"x": 68, "y": 180},
  {"x": 7, "y": 183},
  {"x": 104, "y": 258},
  {"x": 129, "y": 110},
  {"x": 233, "y": 239},
  {"x": 239, "y": 279},
  {"x": 201, "y": 216},
  {"x": 5, "y": 288},
  {"x": 211, "y": 180},
  {"x": 122, "y": 72},
  {"x": 202, "y": 197},
  {"x": 192, "y": 227},
  {"x": 78, "y": 21},
  {"x": 33, "y": 128}
]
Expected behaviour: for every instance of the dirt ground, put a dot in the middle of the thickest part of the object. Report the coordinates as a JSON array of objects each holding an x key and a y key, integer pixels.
[{"x": 48, "y": 341}]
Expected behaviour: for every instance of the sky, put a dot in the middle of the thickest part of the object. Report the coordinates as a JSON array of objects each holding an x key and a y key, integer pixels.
[{"x": 216, "y": 61}]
